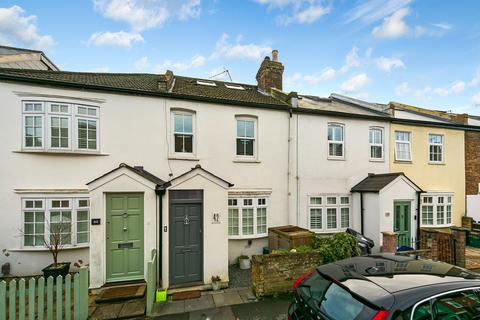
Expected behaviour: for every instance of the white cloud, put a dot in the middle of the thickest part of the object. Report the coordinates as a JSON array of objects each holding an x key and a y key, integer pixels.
[
  {"x": 373, "y": 10},
  {"x": 120, "y": 39},
  {"x": 141, "y": 63},
  {"x": 297, "y": 11},
  {"x": 355, "y": 83},
  {"x": 442, "y": 25},
  {"x": 352, "y": 60},
  {"x": 16, "y": 28},
  {"x": 424, "y": 93},
  {"x": 312, "y": 79},
  {"x": 402, "y": 89},
  {"x": 455, "y": 87},
  {"x": 476, "y": 99},
  {"x": 239, "y": 51},
  {"x": 387, "y": 64},
  {"x": 195, "y": 62},
  {"x": 147, "y": 14},
  {"x": 393, "y": 26}
]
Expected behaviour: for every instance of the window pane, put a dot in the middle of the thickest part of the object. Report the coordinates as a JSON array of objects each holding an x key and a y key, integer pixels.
[
  {"x": 183, "y": 143},
  {"x": 33, "y": 131},
  {"x": 335, "y": 149},
  {"x": 82, "y": 110},
  {"x": 82, "y": 226},
  {"x": 449, "y": 214},
  {"x": 249, "y": 129},
  {"x": 245, "y": 147},
  {"x": 233, "y": 226},
  {"x": 331, "y": 218},
  {"x": 345, "y": 217},
  {"x": 427, "y": 215},
  {"x": 344, "y": 200},
  {"x": 331, "y": 200},
  {"x": 261, "y": 220},
  {"x": 187, "y": 123},
  {"x": 241, "y": 128},
  {"x": 247, "y": 202},
  {"x": 247, "y": 221},
  {"x": 316, "y": 200},
  {"x": 316, "y": 218},
  {"x": 178, "y": 119},
  {"x": 440, "y": 214},
  {"x": 82, "y": 237},
  {"x": 232, "y": 202},
  {"x": 28, "y": 240},
  {"x": 376, "y": 152},
  {"x": 82, "y": 215}
]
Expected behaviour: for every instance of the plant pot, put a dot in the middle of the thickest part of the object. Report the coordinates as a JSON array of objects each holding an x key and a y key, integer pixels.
[
  {"x": 61, "y": 269},
  {"x": 216, "y": 285},
  {"x": 244, "y": 264}
]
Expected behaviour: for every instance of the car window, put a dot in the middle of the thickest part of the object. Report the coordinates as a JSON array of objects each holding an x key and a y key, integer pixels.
[
  {"x": 423, "y": 312},
  {"x": 335, "y": 304},
  {"x": 462, "y": 305}
]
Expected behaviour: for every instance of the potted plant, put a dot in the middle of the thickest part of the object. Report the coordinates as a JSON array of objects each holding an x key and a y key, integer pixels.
[
  {"x": 244, "y": 262},
  {"x": 60, "y": 233},
  {"x": 216, "y": 283}
]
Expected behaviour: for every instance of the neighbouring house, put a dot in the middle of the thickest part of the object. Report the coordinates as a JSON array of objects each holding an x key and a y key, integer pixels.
[
  {"x": 428, "y": 146},
  {"x": 19, "y": 58}
]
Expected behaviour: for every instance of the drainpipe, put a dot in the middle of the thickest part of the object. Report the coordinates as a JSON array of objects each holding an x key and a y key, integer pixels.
[
  {"x": 418, "y": 220},
  {"x": 361, "y": 212},
  {"x": 160, "y": 193}
]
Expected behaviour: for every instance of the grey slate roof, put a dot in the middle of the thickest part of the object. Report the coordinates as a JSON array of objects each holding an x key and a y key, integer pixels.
[
  {"x": 376, "y": 182},
  {"x": 148, "y": 84},
  {"x": 136, "y": 169}
]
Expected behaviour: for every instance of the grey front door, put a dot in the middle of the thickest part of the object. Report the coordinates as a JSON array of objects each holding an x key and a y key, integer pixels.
[{"x": 186, "y": 236}]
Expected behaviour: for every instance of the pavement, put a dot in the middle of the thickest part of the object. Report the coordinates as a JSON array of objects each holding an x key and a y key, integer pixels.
[{"x": 265, "y": 309}]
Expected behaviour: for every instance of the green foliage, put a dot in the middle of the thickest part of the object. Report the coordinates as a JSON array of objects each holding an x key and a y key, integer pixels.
[
  {"x": 337, "y": 247},
  {"x": 281, "y": 251},
  {"x": 303, "y": 249}
]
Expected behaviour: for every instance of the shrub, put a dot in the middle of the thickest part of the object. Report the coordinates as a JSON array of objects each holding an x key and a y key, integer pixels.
[
  {"x": 337, "y": 247},
  {"x": 281, "y": 251},
  {"x": 303, "y": 249}
]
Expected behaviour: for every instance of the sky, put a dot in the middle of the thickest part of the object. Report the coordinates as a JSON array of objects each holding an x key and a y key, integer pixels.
[{"x": 425, "y": 52}]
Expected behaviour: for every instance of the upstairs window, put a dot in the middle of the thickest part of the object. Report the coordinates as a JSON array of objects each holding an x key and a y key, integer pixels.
[
  {"x": 59, "y": 126},
  {"x": 376, "y": 143},
  {"x": 183, "y": 132},
  {"x": 246, "y": 132},
  {"x": 335, "y": 141},
  {"x": 435, "y": 148},
  {"x": 403, "y": 146}
]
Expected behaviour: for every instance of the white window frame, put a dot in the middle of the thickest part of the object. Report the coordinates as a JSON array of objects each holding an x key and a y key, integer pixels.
[
  {"x": 342, "y": 142},
  {"x": 409, "y": 143},
  {"x": 192, "y": 113},
  {"x": 447, "y": 201},
  {"x": 48, "y": 209},
  {"x": 87, "y": 117},
  {"x": 72, "y": 115},
  {"x": 24, "y": 210},
  {"x": 254, "y": 119},
  {"x": 441, "y": 145},
  {"x": 255, "y": 205},
  {"x": 373, "y": 144},
  {"x": 324, "y": 206}
]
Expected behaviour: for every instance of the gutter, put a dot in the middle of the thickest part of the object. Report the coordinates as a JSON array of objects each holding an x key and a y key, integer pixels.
[
  {"x": 160, "y": 193},
  {"x": 417, "y": 246},
  {"x": 362, "y": 209}
]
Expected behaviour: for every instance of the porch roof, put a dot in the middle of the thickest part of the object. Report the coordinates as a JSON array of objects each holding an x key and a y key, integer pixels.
[
  {"x": 136, "y": 169},
  {"x": 376, "y": 182},
  {"x": 167, "y": 184}
]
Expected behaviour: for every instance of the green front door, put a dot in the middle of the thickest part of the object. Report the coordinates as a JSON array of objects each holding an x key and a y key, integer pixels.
[
  {"x": 401, "y": 223},
  {"x": 124, "y": 236}
]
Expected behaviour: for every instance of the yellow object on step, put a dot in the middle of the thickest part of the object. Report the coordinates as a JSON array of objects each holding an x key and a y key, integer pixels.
[{"x": 161, "y": 295}]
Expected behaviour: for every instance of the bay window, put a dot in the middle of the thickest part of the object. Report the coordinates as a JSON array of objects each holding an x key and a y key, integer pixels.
[
  {"x": 335, "y": 141},
  {"x": 54, "y": 126},
  {"x": 247, "y": 217},
  {"x": 436, "y": 209},
  {"x": 60, "y": 220},
  {"x": 329, "y": 213}
]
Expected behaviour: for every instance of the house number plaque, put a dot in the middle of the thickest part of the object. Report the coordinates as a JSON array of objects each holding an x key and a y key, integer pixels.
[{"x": 95, "y": 221}]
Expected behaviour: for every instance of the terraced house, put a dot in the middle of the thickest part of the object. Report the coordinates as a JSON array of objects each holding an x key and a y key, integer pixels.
[{"x": 200, "y": 169}]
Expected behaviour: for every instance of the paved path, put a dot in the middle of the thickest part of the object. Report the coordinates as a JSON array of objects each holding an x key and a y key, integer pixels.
[{"x": 266, "y": 309}]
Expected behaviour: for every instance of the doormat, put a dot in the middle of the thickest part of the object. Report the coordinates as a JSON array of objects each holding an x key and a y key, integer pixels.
[
  {"x": 121, "y": 293},
  {"x": 185, "y": 295}
]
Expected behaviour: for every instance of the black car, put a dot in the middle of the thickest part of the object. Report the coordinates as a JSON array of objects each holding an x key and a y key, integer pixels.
[{"x": 387, "y": 286}]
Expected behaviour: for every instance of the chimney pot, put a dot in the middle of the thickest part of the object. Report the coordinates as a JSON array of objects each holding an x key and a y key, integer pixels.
[{"x": 275, "y": 55}]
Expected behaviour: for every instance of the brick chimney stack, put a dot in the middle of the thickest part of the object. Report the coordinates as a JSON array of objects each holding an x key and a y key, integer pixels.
[{"x": 270, "y": 73}]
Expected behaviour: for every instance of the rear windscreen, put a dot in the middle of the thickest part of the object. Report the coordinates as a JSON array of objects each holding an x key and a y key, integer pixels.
[{"x": 332, "y": 300}]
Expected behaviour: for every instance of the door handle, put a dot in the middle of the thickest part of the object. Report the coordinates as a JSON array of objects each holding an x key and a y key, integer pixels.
[
  {"x": 186, "y": 220},
  {"x": 125, "y": 228}
]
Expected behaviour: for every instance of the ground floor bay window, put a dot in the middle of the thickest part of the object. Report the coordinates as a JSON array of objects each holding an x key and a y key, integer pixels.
[
  {"x": 436, "y": 209},
  {"x": 66, "y": 218},
  {"x": 329, "y": 213},
  {"x": 247, "y": 217}
]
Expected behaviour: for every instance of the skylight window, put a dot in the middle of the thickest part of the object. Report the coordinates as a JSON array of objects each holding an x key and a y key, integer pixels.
[
  {"x": 234, "y": 86},
  {"x": 206, "y": 83}
]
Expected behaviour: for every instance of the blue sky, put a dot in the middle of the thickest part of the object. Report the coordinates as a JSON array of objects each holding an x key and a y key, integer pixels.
[{"x": 424, "y": 53}]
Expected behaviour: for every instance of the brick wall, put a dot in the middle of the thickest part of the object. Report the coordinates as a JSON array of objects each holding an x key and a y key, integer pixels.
[
  {"x": 275, "y": 273},
  {"x": 446, "y": 245},
  {"x": 472, "y": 162}
]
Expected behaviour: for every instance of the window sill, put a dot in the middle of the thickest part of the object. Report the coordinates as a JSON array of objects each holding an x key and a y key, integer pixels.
[
  {"x": 62, "y": 152},
  {"x": 433, "y": 226},
  {"x": 403, "y": 161},
  {"x": 246, "y": 160},
  {"x": 377, "y": 160},
  {"x": 436, "y": 163},
  {"x": 328, "y": 231},
  {"x": 248, "y": 237},
  {"x": 43, "y": 249},
  {"x": 336, "y": 158},
  {"x": 184, "y": 158}
]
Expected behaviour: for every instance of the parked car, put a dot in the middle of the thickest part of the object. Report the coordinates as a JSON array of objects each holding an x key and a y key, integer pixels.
[
  {"x": 387, "y": 286},
  {"x": 364, "y": 244}
]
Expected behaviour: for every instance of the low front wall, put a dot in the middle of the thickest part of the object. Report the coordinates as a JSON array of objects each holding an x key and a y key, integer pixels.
[{"x": 275, "y": 273}]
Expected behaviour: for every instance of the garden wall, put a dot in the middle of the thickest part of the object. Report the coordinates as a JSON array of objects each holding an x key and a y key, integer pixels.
[{"x": 275, "y": 273}]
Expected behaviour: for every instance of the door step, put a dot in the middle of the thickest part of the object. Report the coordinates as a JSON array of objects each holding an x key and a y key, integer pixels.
[{"x": 121, "y": 293}]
